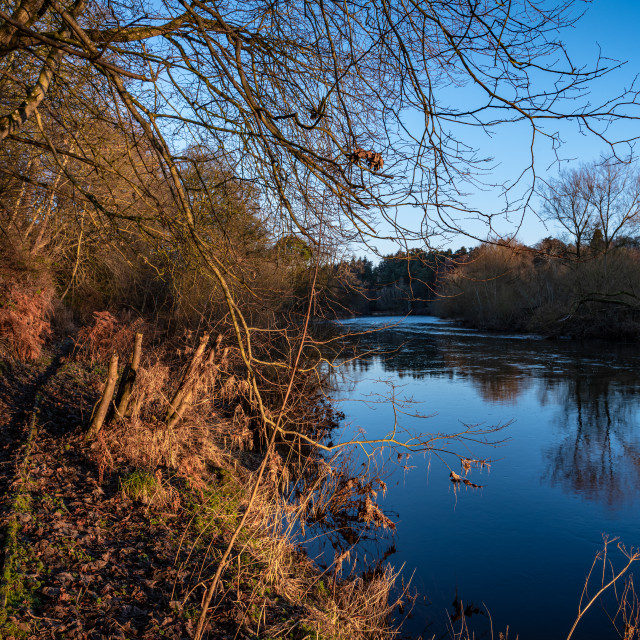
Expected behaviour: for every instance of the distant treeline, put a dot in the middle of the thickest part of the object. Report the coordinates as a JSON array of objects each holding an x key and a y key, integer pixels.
[
  {"x": 403, "y": 282},
  {"x": 546, "y": 288}
]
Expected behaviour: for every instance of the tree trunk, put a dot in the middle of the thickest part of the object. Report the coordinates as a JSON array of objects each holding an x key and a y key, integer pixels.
[
  {"x": 103, "y": 406},
  {"x": 128, "y": 379},
  {"x": 183, "y": 387}
]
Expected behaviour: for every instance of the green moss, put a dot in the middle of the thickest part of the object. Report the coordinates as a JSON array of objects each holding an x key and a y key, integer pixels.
[
  {"x": 255, "y": 612},
  {"x": 19, "y": 582},
  {"x": 12, "y": 630},
  {"x": 307, "y": 632},
  {"x": 53, "y": 503},
  {"x": 142, "y": 486},
  {"x": 322, "y": 590},
  {"x": 191, "y": 613}
]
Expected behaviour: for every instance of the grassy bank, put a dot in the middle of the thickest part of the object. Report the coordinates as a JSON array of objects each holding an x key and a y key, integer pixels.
[{"x": 119, "y": 536}]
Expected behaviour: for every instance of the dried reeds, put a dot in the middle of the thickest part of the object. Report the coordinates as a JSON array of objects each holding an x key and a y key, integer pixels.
[{"x": 216, "y": 431}]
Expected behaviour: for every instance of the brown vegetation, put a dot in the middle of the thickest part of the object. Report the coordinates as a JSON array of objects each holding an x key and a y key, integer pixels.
[
  {"x": 508, "y": 286},
  {"x": 216, "y": 437},
  {"x": 187, "y": 486},
  {"x": 193, "y": 168},
  {"x": 26, "y": 310}
]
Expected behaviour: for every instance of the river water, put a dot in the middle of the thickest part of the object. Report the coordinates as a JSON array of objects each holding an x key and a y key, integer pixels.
[{"x": 515, "y": 552}]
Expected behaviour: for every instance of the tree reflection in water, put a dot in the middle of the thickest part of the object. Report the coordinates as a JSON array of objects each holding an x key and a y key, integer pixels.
[
  {"x": 599, "y": 457},
  {"x": 571, "y": 467}
]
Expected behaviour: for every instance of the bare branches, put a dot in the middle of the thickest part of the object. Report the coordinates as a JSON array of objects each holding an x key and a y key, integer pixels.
[
  {"x": 596, "y": 200},
  {"x": 292, "y": 97},
  {"x": 14, "y": 121},
  {"x": 607, "y": 577}
]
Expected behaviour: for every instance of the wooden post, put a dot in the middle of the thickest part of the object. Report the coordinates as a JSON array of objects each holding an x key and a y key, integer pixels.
[
  {"x": 128, "y": 379},
  {"x": 105, "y": 401},
  {"x": 183, "y": 387},
  {"x": 184, "y": 401},
  {"x": 137, "y": 407},
  {"x": 179, "y": 412}
]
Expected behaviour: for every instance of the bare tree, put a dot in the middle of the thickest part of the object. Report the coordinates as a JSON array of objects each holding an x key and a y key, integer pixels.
[
  {"x": 308, "y": 102},
  {"x": 568, "y": 200},
  {"x": 597, "y": 199},
  {"x": 615, "y": 199}
]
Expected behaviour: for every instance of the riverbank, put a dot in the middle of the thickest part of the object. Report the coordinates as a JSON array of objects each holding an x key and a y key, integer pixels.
[
  {"x": 547, "y": 291},
  {"x": 550, "y": 289},
  {"x": 604, "y": 327},
  {"x": 119, "y": 537}
]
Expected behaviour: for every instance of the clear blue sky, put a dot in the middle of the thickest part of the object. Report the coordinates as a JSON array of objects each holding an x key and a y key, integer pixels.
[{"x": 611, "y": 27}]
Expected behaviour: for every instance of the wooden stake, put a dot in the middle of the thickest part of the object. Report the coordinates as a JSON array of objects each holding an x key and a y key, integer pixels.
[
  {"x": 183, "y": 387},
  {"x": 128, "y": 379},
  {"x": 105, "y": 401}
]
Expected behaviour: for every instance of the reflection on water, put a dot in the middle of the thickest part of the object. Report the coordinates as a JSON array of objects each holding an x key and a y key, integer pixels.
[
  {"x": 570, "y": 471},
  {"x": 596, "y": 395},
  {"x": 598, "y": 456}
]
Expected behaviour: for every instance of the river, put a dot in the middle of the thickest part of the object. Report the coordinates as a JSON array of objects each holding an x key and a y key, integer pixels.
[{"x": 566, "y": 470}]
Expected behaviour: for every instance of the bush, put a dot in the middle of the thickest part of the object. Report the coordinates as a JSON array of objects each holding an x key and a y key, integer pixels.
[
  {"x": 105, "y": 336},
  {"x": 25, "y": 312},
  {"x": 511, "y": 287}
]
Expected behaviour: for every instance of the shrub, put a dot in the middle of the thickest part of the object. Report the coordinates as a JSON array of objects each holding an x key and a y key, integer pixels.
[
  {"x": 25, "y": 310},
  {"x": 106, "y": 335}
]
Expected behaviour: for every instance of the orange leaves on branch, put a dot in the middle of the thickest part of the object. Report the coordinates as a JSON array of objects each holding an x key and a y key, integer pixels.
[
  {"x": 467, "y": 464},
  {"x": 373, "y": 159},
  {"x": 457, "y": 479}
]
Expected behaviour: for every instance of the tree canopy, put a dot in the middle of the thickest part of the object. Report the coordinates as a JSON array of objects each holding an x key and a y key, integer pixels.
[
  {"x": 596, "y": 200},
  {"x": 330, "y": 110}
]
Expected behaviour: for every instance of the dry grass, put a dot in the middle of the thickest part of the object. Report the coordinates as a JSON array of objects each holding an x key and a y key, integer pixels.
[
  {"x": 360, "y": 608},
  {"x": 187, "y": 450},
  {"x": 143, "y": 438},
  {"x": 609, "y": 585},
  {"x": 207, "y": 448},
  {"x": 330, "y": 607},
  {"x": 269, "y": 564}
]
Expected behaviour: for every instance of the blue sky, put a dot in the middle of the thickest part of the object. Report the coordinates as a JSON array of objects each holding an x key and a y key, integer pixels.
[{"x": 610, "y": 27}]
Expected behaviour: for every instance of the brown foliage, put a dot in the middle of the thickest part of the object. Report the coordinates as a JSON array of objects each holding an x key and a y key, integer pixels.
[
  {"x": 107, "y": 335},
  {"x": 373, "y": 159},
  {"x": 25, "y": 311},
  {"x": 208, "y": 447},
  {"x": 512, "y": 287},
  {"x": 493, "y": 289}
]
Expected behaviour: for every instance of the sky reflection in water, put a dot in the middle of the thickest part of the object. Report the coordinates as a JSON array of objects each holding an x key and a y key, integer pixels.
[{"x": 570, "y": 471}]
